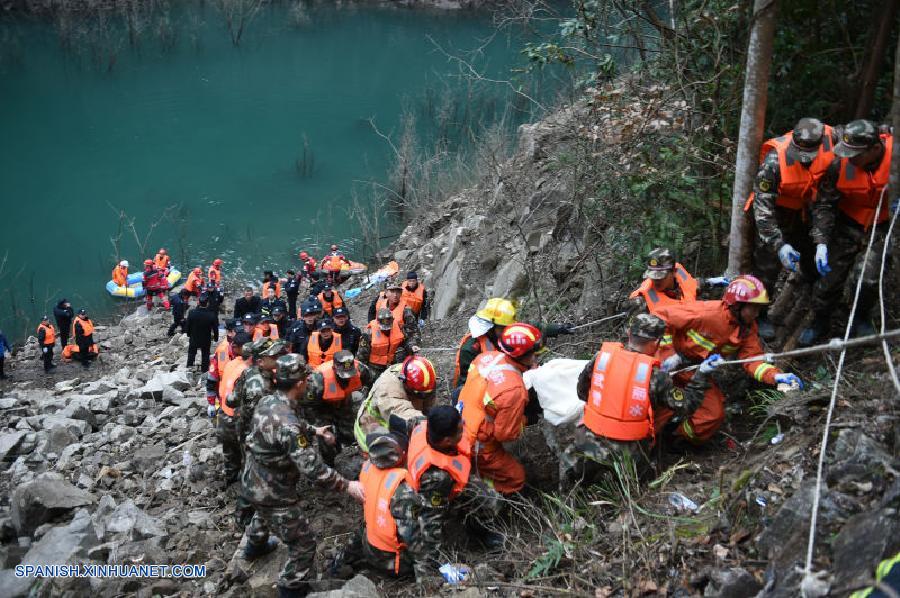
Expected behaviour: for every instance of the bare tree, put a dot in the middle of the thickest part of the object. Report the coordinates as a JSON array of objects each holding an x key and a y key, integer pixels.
[
  {"x": 238, "y": 15},
  {"x": 753, "y": 115}
]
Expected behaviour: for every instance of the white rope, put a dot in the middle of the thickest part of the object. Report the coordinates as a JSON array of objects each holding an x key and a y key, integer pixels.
[
  {"x": 621, "y": 315},
  {"x": 809, "y": 579},
  {"x": 884, "y": 345}
]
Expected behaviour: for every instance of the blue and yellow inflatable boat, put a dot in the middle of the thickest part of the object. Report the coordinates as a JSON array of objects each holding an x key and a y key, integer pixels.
[{"x": 135, "y": 288}]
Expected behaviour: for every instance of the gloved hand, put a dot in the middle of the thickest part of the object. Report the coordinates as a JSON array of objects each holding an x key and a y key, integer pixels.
[
  {"x": 211, "y": 411},
  {"x": 565, "y": 329},
  {"x": 421, "y": 324},
  {"x": 710, "y": 363},
  {"x": 355, "y": 489},
  {"x": 822, "y": 259},
  {"x": 789, "y": 257},
  {"x": 791, "y": 379},
  {"x": 44, "y": 349},
  {"x": 454, "y": 573},
  {"x": 718, "y": 281},
  {"x": 326, "y": 434},
  {"x": 671, "y": 363}
]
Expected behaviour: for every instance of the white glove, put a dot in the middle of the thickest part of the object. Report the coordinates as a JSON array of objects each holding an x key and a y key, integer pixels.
[
  {"x": 44, "y": 349},
  {"x": 789, "y": 257},
  {"x": 454, "y": 573},
  {"x": 822, "y": 259},
  {"x": 671, "y": 363},
  {"x": 710, "y": 363},
  {"x": 421, "y": 324},
  {"x": 356, "y": 490},
  {"x": 211, "y": 411}
]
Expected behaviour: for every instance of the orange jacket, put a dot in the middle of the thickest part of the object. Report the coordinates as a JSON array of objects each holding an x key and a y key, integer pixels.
[
  {"x": 230, "y": 375},
  {"x": 654, "y": 299},
  {"x": 315, "y": 355},
  {"x": 329, "y": 306},
  {"x": 332, "y": 391},
  {"x": 860, "y": 190},
  {"x": 702, "y": 328},
  {"x": 384, "y": 346},
  {"x": 221, "y": 357},
  {"x": 120, "y": 276},
  {"x": 49, "y": 333},
  {"x": 381, "y": 528},
  {"x": 161, "y": 261},
  {"x": 260, "y": 331},
  {"x": 422, "y": 457},
  {"x": 482, "y": 342},
  {"x": 414, "y": 299},
  {"x": 87, "y": 327},
  {"x": 618, "y": 403},
  {"x": 494, "y": 399},
  {"x": 333, "y": 262},
  {"x": 265, "y": 289},
  {"x": 214, "y": 275},
  {"x": 194, "y": 282}
]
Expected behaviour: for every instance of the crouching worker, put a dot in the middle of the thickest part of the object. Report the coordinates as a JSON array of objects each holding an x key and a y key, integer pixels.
[
  {"x": 281, "y": 447},
  {"x": 621, "y": 387}
]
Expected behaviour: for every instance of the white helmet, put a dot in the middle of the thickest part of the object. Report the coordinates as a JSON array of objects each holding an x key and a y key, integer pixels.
[{"x": 124, "y": 263}]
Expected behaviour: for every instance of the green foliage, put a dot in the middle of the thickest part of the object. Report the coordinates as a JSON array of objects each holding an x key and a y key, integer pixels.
[{"x": 547, "y": 562}]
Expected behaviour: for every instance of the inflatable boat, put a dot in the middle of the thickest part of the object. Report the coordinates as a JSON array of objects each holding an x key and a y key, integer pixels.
[{"x": 135, "y": 288}]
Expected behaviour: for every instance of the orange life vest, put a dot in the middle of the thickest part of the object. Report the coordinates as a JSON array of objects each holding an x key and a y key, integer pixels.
[
  {"x": 860, "y": 190},
  {"x": 490, "y": 374},
  {"x": 333, "y": 262},
  {"x": 87, "y": 327},
  {"x": 799, "y": 184},
  {"x": 316, "y": 356},
  {"x": 384, "y": 346},
  {"x": 120, "y": 276},
  {"x": 193, "y": 283},
  {"x": 655, "y": 299},
  {"x": 49, "y": 333},
  {"x": 214, "y": 275},
  {"x": 483, "y": 343},
  {"x": 414, "y": 299},
  {"x": 333, "y": 392},
  {"x": 618, "y": 404},
  {"x": 381, "y": 528},
  {"x": 223, "y": 356},
  {"x": 161, "y": 261},
  {"x": 397, "y": 311},
  {"x": 265, "y": 289},
  {"x": 260, "y": 331},
  {"x": 69, "y": 350},
  {"x": 230, "y": 375},
  {"x": 329, "y": 306},
  {"x": 422, "y": 456}
]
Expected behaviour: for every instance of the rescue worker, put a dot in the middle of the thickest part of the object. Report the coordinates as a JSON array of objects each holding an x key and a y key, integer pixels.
[
  {"x": 303, "y": 328},
  {"x": 265, "y": 328},
  {"x": 350, "y": 334},
  {"x": 4, "y": 349},
  {"x": 120, "y": 274},
  {"x": 279, "y": 450},
  {"x": 843, "y": 216},
  {"x": 791, "y": 167},
  {"x": 405, "y": 390},
  {"x": 226, "y": 417},
  {"x": 322, "y": 345},
  {"x": 248, "y": 304},
  {"x": 214, "y": 296},
  {"x": 280, "y": 321},
  {"x": 255, "y": 382},
  {"x": 194, "y": 284},
  {"x": 622, "y": 386},
  {"x": 335, "y": 390},
  {"x": 383, "y": 343},
  {"x": 667, "y": 282},
  {"x": 493, "y": 405},
  {"x": 330, "y": 300},
  {"x": 202, "y": 327},
  {"x": 271, "y": 301},
  {"x": 392, "y": 299},
  {"x": 46, "y": 336},
  {"x": 705, "y": 328},
  {"x": 332, "y": 264},
  {"x": 179, "y": 303},
  {"x": 308, "y": 268},
  {"x": 221, "y": 355},
  {"x": 63, "y": 314},
  {"x": 161, "y": 260},
  {"x": 83, "y": 331},
  {"x": 214, "y": 273},
  {"x": 270, "y": 281},
  {"x": 248, "y": 322},
  {"x": 155, "y": 285},
  {"x": 415, "y": 296},
  {"x": 292, "y": 290}
]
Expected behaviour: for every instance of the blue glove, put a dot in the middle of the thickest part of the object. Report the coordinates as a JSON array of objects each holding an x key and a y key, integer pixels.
[
  {"x": 710, "y": 363},
  {"x": 671, "y": 363},
  {"x": 421, "y": 324},
  {"x": 822, "y": 259},
  {"x": 791, "y": 379},
  {"x": 454, "y": 573},
  {"x": 718, "y": 281},
  {"x": 210, "y": 411},
  {"x": 789, "y": 257}
]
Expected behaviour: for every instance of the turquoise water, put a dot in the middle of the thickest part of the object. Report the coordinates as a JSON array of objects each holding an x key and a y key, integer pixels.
[{"x": 204, "y": 138}]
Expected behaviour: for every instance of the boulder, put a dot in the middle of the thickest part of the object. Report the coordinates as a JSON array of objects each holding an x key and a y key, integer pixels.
[
  {"x": 358, "y": 587},
  {"x": 43, "y": 499},
  {"x": 127, "y": 519},
  {"x": 59, "y": 439},
  {"x": 99, "y": 387},
  {"x": 862, "y": 543},
  {"x": 9, "y": 442},
  {"x": 66, "y": 385},
  {"x": 177, "y": 380},
  {"x": 77, "y": 427}
]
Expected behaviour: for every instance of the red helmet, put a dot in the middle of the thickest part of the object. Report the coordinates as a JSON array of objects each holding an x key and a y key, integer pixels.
[
  {"x": 162, "y": 252},
  {"x": 303, "y": 255},
  {"x": 217, "y": 262},
  {"x": 334, "y": 247},
  {"x": 418, "y": 374},
  {"x": 148, "y": 262},
  {"x": 745, "y": 289},
  {"x": 519, "y": 339}
]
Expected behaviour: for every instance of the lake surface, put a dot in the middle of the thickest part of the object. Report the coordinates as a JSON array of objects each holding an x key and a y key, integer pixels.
[{"x": 207, "y": 139}]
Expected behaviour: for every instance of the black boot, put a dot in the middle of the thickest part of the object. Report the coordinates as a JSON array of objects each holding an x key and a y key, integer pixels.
[{"x": 254, "y": 552}]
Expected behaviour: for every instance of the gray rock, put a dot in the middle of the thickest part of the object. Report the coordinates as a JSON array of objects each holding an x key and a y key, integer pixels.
[
  {"x": 9, "y": 442},
  {"x": 177, "y": 380},
  {"x": 733, "y": 582},
  {"x": 8, "y": 403},
  {"x": 59, "y": 439},
  {"x": 121, "y": 434},
  {"x": 153, "y": 389},
  {"x": 66, "y": 385},
  {"x": 99, "y": 387},
  {"x": 358, "y": 587},
  {"x": 148, "y": 457},
  {"x": 862, "y": 543},
  {"x": 48, "y": 496},
  {"x": 127, "y": 519},
  {"x": 77, "y": 427}
]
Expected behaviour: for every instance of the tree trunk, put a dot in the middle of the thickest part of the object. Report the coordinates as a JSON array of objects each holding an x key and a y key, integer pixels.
[
  {"x": 875, "y": 59},
  {"x": 753, "y": 115}
]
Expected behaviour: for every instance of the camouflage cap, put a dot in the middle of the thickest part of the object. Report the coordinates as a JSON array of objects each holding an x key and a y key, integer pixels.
[
  {"x": 647, "y": 326},
  {"x": 806, "y": 139},
  {"x": 268, "y": 347},
  {"x": 384, "y": 315},
  {"x": 857, "y": 137},
  {"x": 385, "y": 450},
  {"x": 344, "y": 364},
  {"x": 660, "y": 262},
  {"x": 290, "y": 368},
  {"x": 392, "y": 284}
]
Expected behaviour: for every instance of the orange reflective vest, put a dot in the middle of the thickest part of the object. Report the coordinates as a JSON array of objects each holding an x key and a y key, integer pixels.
[
  {"x": 422, "y": 456},
  {"x": 87, "y": 327},
  {"x": 120, "y": 276},
  {"x": 214, "y": 275},
  {"x": 194, "y": 282},
  {"x": 329, "y": 306},
  {"x": 397, "y": 311},
  {"x": 798, "y": 184},
  {"x": 316, "y": 355},
  {"x": 860, "y": 189},
  {"x": 491, "y": 373},
  {"x": 333, "y": 392},
  {"x": 414, "y": 299},
  {"x": 49, "y": 333},
  {"x": 333, "y": 262},
  {"x": 230, "y": 375},
  {"x": 384, "y": 346},
  {"x": 618, "y": 404},
  {"x": 161, "y": 261},
  {"x": 223, "y": 356},
  {"x": 265, "y": 289},
  {"x": 260, "y": 331},
  {"x": 483, "y": 343},
  {"x": 656, "y": 299},
  {"x": 381, "y": 528}
]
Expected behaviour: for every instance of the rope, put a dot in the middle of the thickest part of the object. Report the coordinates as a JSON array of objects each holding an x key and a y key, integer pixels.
[
  {"x": 884, "y": 345},
  {"x": 809, "y": 579},
  {"x": 607, "y": 318}
]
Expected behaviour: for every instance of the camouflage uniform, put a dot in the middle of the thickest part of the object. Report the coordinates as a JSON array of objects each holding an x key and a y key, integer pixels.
[
  {"x": 280, "y": 448},
  {"x": 365, "y": 351}
]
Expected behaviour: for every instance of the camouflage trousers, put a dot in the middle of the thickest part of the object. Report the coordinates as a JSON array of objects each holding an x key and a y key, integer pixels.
[
  {"x": 227, "y": 433},
  {"x": 590, "y": 456},
  {"x": 846, "y": 253},
  {"x": 290, "y": 526},
  {"x": 766, "y": 265}
]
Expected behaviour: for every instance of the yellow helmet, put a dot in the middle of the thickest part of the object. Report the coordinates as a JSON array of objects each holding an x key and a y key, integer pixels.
[{"x": 499, "y": 311}]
